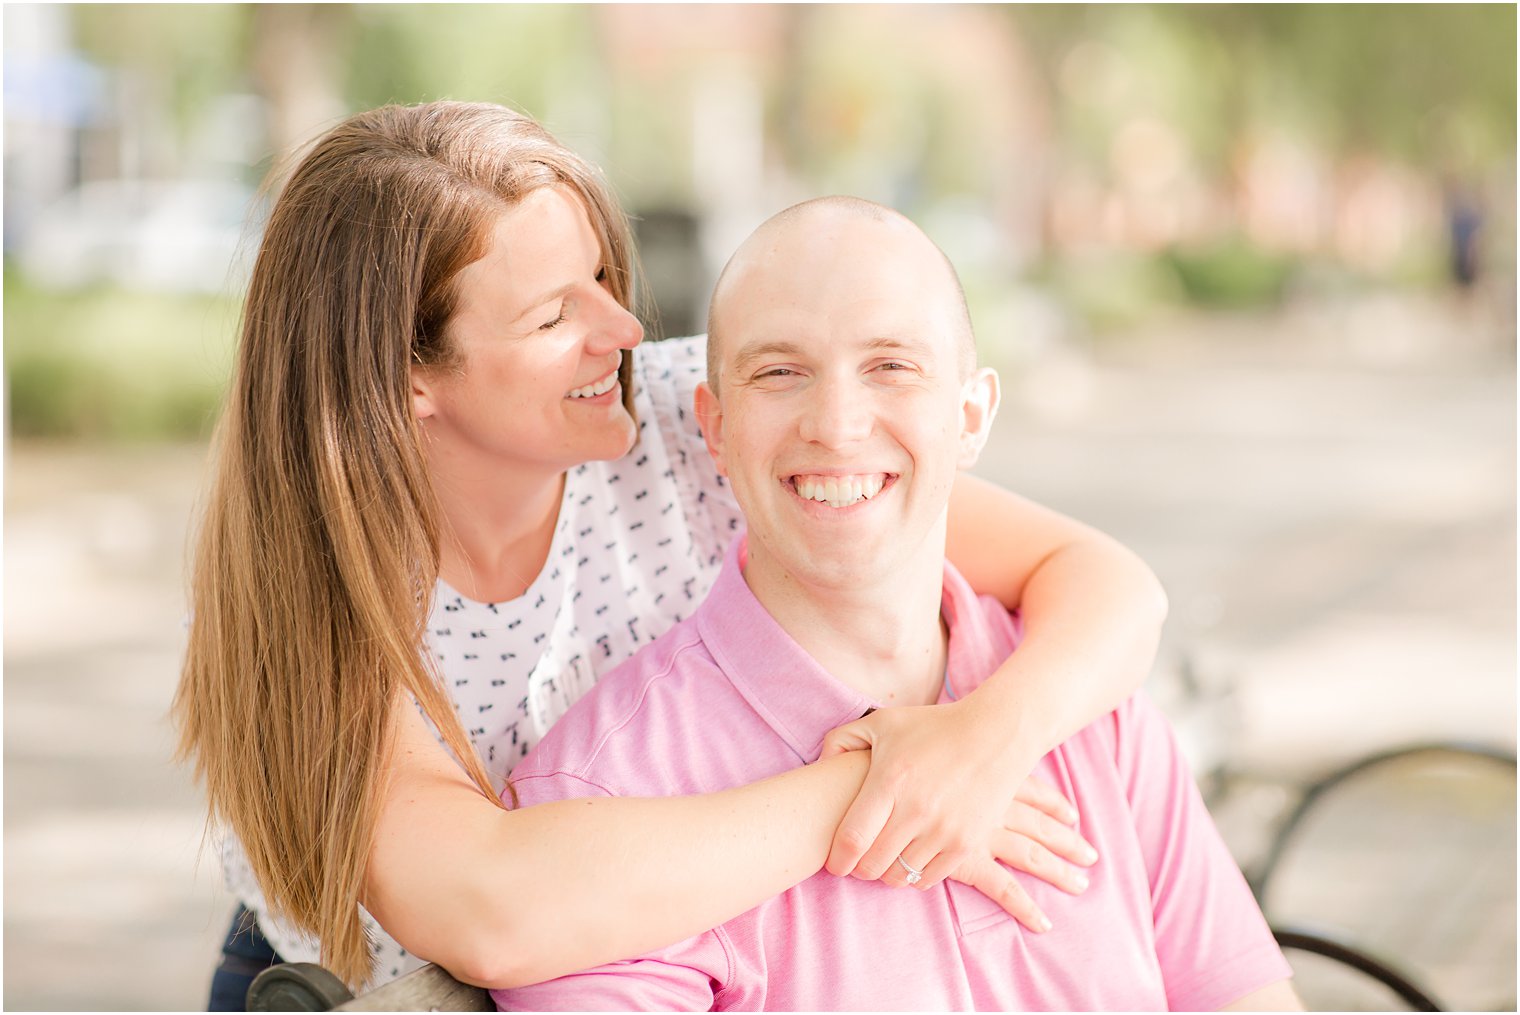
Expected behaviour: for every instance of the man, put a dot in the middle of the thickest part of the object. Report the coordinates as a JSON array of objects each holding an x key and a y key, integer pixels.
[{"x": 842, "y": 398}]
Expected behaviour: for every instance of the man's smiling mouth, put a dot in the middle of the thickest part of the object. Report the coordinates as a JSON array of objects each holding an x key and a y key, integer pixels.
[{"x": 840, "y": 491}]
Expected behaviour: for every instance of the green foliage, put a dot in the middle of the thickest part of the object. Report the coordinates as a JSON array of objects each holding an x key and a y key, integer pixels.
[
  {"x": 1230, "y": 274},
  {"x": 853, "y": 104},
  {"x": 514, "y": 54},
  {"x": 1117, "y": 290},
  {"x": 1430, "y": 84},
  {"x": 110, "y": 364},
  {"x": 184, "y": 55},
  {"x": 1112, "y": 291},
  {"x": 1396, "y": 79}
]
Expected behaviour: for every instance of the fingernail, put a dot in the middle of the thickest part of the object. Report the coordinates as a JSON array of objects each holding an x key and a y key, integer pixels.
[
  {"x": 1087, "y": 855},
  {"x": 1070, "y": 815},
  {"x": 1082, "y": 882},
  {"x": 1044, "y": 924}
]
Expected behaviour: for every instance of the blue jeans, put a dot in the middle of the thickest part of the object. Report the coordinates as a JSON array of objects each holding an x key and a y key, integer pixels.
[{"x": 244, "y": 955}]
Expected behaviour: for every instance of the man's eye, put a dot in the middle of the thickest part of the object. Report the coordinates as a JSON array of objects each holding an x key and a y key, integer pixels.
[
  {"x": 776, "y": 372},
  {"x": 893, "y": 365}
]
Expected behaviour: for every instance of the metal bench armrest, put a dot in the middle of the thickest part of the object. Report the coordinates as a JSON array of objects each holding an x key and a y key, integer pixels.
[{"x": 306, "y": 986}]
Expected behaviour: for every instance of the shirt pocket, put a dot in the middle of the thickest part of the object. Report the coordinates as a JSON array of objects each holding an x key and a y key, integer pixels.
[{"x": 975, "y": 911}]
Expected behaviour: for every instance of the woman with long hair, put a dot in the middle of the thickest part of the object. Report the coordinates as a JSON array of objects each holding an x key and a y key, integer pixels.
[{"x": 448, "y": 495}]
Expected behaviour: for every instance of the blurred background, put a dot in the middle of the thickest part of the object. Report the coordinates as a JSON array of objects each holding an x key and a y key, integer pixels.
[{"x": 1248, "y": 274}]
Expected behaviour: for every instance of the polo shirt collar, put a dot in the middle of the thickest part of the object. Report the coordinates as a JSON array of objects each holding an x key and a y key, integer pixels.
[{"x": 785, "y": 686}]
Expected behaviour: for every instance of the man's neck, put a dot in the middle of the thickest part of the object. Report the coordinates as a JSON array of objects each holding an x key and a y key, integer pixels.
[{"x": 884, "y": 639}]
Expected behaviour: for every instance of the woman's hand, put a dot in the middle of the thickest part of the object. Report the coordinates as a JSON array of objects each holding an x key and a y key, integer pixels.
[
  {"x": 937, "y": 795},
  {"x": 1035, "y": 842}
]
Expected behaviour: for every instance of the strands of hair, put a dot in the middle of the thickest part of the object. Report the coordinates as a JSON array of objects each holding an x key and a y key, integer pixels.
[{"x": 318, "y": 552}]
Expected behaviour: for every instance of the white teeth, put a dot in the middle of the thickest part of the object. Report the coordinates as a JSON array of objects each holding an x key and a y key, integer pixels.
[
  {"x": 601, "y": 387},
  {"x": 839, "y": 491}
]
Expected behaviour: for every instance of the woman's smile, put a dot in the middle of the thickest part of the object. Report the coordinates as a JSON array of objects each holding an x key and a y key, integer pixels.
[{"x": 596, "y": 389}]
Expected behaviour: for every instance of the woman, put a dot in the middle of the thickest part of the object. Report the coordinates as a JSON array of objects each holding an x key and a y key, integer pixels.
[{"x": 428, "y": 534}]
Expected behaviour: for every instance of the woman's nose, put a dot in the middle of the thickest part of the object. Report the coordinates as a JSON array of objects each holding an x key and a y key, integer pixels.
[{"x": 617, "y": 327}]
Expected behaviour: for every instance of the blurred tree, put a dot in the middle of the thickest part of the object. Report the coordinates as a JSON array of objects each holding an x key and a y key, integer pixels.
[
  {"x": 520, "y": 55},
  {"x": 1376, "y": 78},
  {"x": 296, "y": 53},
  {"x": 175, "y": 62},
  {"x": 1407, "y": 82},
  {"x": 171, "y": 62}
]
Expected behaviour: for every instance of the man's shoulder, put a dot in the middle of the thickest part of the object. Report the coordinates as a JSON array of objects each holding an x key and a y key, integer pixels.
[
  {"x": 1122, "y": 740},
  {"x": 983, "y": 633},
  {"x": 626, "y": 712}
]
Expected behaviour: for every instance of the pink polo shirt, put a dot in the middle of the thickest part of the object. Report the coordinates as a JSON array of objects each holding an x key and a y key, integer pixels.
[{"x": 727, "y": 697}]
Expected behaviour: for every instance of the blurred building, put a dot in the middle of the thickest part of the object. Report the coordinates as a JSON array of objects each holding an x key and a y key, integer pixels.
[
  {"x": 98, "y": 189},
  {"x": 57, "y": 115}
]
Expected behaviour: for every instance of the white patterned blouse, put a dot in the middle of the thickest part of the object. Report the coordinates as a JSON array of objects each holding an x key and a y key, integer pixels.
[{"x": 638, "y": 543}]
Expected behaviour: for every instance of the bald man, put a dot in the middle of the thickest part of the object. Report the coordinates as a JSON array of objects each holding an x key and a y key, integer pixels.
[{"x": 842, "y": 398}]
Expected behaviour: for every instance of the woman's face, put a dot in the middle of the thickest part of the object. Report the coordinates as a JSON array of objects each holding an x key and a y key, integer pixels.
[{"x": 534, "y": 389}]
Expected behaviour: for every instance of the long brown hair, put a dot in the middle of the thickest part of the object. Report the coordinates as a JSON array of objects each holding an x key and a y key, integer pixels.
[{"x": 318, "y": 553}]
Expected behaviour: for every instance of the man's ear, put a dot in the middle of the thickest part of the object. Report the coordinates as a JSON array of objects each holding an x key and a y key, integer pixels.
[
  {"x": 422, "y": 392},
  {"x": 710, "y": 417},
  {"x": 979, "y": 405}
]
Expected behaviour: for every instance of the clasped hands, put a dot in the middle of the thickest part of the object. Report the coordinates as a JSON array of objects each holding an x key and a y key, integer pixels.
[{"x": 949, "y": 793}]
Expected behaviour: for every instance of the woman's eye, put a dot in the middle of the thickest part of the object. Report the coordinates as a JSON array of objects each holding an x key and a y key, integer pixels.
[
  {"x": 554, "y": 323},
  {"x": 601, "y": 275}
]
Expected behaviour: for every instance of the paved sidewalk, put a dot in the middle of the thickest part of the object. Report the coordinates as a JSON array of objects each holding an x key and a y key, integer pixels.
[
  {"x": 108, "y": 904},
  {"x": 1336, "y": 532},
  {"x": 1335, "y": 524}
]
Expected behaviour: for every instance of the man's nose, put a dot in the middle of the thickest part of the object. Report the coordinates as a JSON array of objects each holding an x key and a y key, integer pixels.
[{"x": 836, "y": 412}]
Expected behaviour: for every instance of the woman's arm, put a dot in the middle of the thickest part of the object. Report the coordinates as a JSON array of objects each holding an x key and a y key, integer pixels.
[
  {"x": 1092, "y": 614},
  {"x": 505, "y": 898}
]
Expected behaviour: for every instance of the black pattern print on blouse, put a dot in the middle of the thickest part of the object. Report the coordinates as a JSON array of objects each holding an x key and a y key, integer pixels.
[{"x": 625, "y": 557}]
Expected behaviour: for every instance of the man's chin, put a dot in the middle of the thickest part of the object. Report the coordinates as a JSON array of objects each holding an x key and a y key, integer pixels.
[{"x": 826, "y": 563}]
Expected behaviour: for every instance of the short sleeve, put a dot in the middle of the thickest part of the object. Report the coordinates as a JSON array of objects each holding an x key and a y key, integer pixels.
[
  {"x": 1212, "y": 942},
  {"x": 684, "y": 977},
  {"x": 668, "y": 374}
]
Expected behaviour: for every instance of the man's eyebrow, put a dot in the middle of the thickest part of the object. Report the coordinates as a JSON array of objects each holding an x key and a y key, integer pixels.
[
  {"x": 885, "y": 343},
  {"x": 889, "y": 343},
  {"x": 760, "y": 350}
]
